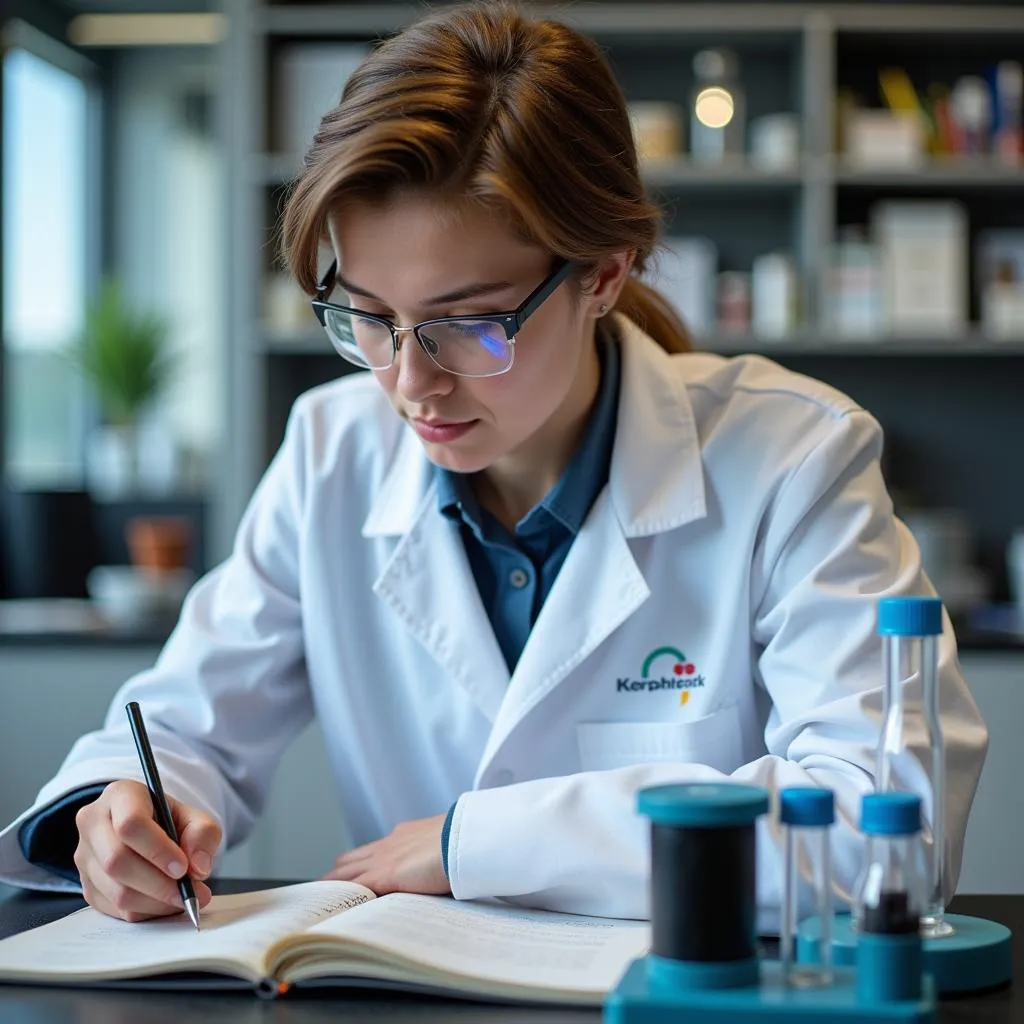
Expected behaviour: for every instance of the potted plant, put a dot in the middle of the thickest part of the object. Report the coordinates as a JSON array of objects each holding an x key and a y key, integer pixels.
[{"x": 124, "y": 356}]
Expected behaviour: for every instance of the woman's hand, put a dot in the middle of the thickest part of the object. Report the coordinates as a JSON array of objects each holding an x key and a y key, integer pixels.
[
  {"x": 128, "y": 864},
  {"x": 407, "y": 860}
]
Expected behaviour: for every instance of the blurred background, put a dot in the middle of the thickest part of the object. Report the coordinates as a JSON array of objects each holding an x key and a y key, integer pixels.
[{"x": 843, "y": 187}]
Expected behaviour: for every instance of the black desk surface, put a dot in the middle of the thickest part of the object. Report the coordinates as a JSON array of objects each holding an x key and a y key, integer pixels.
[{"x": 32, "y": 1005}]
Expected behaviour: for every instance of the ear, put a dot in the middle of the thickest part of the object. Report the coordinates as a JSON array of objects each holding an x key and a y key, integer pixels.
[{"x": 606, "y": 282}]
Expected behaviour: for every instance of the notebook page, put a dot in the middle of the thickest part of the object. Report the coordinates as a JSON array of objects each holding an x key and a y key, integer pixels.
[
  {"x": 236, "y": 928},
  {"x": 496, "y": 943}
]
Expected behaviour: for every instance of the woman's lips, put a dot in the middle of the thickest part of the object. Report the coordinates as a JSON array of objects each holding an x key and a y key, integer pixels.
[{"x": 441, "y": 431}]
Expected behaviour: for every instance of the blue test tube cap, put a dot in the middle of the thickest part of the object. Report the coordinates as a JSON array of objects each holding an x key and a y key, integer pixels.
[
  {"x": 910, "y": 616},
  {"x": 809, "y": 806},
  {"x": 703, "y": 804},
  {"x": 890, "y": 814}
]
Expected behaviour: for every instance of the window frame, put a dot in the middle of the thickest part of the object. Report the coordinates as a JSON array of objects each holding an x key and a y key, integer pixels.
[{"x": 19, "y": 34}]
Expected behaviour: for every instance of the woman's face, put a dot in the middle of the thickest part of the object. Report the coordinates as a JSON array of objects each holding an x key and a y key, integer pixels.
[{"x": 412, "y": 259}]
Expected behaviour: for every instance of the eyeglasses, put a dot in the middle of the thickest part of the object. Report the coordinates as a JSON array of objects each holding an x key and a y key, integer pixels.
[{"x": 468, "y": 346}]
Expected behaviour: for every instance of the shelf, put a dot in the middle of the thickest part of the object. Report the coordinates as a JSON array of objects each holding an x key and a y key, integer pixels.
[
  {"x": 336, "y": 19},
  {"x": 952, "y": 173},
  {"x": 621, "y": 19},
  {"x": 639, "y": 19},
  {"x": 275, "y": 169},
  {"x": 315, "y": 343},
  {"x": 876, "y": 18},
  {"x": 822, "y": 344},
  {"x": 681, "y": 173}
]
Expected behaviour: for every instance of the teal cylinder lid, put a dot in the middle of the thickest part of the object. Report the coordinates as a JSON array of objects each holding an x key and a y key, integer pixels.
[
  {"x": 890, "y": 814},
  {"x": 910, "y": 616},
  {"x": 703, "y": 804},
  {"x": 807, "y": 806}
]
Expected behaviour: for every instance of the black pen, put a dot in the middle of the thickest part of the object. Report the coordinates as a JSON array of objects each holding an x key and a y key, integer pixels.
[{"x": 163, "y": 812}]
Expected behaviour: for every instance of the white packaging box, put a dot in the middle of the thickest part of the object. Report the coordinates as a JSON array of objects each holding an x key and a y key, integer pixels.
[
  {"x": 309, "y": 80},
  {"x": 882, "y": 139},
  {"x": 923, "y": 246},
  {"x": 684, "y": 269}
]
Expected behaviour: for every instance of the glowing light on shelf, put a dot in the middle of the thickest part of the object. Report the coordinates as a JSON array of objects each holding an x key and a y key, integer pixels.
[{"x": 714, "y": 106}]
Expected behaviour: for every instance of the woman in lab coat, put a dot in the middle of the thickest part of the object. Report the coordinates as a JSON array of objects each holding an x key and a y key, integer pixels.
[{"x": 539, "y": 558}]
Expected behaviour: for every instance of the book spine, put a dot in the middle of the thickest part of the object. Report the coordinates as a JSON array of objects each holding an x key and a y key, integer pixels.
[{"x": 271, "y": 988}]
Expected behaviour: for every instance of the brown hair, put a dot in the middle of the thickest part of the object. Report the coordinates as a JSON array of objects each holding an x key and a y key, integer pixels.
[{"x": 482, "y": 102}]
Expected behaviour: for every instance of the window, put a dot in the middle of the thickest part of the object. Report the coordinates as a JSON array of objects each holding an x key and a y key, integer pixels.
[{"x": 47, "y": 257}]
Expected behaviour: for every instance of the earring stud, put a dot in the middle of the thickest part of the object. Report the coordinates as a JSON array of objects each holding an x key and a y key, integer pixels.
[{"x": 602, "y": 309}]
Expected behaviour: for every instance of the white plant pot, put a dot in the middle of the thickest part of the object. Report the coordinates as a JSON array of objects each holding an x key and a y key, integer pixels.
[{"x": 111, "y": 463}]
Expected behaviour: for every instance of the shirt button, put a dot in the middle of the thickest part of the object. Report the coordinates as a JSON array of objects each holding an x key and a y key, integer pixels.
[
  {"x": 504, "y": 777},
  {"x": 518, "y": 578}
]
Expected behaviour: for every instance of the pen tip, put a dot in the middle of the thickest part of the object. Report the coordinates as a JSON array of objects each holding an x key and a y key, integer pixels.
[{"x": 192, "y": 909}]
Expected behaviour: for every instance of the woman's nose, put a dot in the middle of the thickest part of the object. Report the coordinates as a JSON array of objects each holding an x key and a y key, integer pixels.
[{"x": 419, "y": 377}]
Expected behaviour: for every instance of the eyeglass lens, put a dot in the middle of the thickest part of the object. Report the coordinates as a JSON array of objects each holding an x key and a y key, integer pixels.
[{"x": 472, "y": 348}]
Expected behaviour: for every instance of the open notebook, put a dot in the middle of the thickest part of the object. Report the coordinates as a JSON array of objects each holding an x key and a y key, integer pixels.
[{"x": 339, "y": 934}]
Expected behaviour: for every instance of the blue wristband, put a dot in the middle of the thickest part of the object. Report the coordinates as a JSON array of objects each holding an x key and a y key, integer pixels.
[{"x": 446, "y": 832}]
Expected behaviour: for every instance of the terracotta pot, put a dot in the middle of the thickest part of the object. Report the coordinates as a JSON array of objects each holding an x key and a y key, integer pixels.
[{"x": 159, "y": 543}]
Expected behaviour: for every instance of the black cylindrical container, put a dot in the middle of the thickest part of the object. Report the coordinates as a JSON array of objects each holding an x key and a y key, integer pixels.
[{"x": 703, "y": 883}]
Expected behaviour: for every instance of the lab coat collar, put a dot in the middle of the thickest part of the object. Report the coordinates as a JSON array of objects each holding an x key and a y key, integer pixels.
[
  {"x": 657, "y": 476},
  {"x": 656, "y": 481}
]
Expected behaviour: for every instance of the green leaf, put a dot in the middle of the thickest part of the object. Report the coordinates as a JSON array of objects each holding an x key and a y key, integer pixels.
[{"x": 123, "y": 354}]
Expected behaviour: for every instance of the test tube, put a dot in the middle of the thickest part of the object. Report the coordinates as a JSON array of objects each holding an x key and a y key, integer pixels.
[
  {"x": 910, "y": 627},
  {"x": 806, "y": 814}
]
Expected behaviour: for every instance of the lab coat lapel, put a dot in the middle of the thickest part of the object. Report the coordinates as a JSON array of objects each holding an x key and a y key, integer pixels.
[
  {"x": 428, "y": 581},
  {"x": 598, "y": 587},
  {"x": 656, "y": 483}
]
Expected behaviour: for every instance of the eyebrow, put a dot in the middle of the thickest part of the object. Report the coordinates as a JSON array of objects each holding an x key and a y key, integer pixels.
[{"x": 471, "y": 291}]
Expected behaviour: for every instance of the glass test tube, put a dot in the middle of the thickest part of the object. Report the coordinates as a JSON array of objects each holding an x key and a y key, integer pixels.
[
  {"x": 910, "y": 627},
  {"x": 806, "y": 814}
]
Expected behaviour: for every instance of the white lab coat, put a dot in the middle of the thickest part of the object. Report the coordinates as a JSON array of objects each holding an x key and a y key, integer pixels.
[{"x": 745, "y": 525}]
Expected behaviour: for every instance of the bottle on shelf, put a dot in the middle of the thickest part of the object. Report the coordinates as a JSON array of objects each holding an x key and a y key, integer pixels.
[{"x": 717, "y": 108}]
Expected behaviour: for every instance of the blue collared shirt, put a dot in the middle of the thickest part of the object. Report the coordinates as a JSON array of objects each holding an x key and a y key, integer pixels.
[{"x": 514, "y": 572}]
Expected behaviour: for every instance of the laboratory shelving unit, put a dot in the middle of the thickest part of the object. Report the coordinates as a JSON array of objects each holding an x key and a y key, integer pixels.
[{"x": 793, "y": 57}]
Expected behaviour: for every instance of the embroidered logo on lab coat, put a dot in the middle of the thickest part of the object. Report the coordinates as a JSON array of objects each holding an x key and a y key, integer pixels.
[{"x": 665, "y": 668}]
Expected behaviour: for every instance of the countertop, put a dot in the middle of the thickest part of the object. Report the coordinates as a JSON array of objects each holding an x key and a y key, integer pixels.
[
  {"x": 68, "y": 622},
  {"x": 41, "y": 1005}
]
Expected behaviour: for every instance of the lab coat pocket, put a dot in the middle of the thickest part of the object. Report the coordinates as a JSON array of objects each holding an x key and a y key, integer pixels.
[{"x": 713, "y": 740}]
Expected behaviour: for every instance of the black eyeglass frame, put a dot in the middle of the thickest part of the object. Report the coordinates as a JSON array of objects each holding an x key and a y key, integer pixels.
[{"x": 511, "y": 321}]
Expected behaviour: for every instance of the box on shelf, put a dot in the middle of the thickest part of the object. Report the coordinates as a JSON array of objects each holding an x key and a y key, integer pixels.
[
  {"x": 883, "y": 139},
  {"x": 657, "y": 130},
  {"x": 923, "y": 248},
  {"x": 774, "y": 295},
  {"x": 853, "y": 288},
  {"x": 1000, "y": 277},
  {"x": 310, "y": 78},
  {"x": 775, "y": 142},
  {"x": 683, "y": 270},
  {"x": 733, "y": 294}
]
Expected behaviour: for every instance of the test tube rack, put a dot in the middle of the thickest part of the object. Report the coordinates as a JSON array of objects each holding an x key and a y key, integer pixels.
[
  {"x": 644, "y": 997},
  {"x": 704, "y": 966}
]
